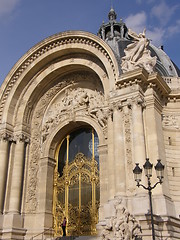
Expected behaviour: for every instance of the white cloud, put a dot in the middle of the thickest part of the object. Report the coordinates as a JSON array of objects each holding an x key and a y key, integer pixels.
[
  {"x": 139, "y": 1},
  {"x": 163, "y": 12},
  {"x": 136, "y": 22},
  {"x": 7, "y": 6},
  {"x": 171, "y": 30},
  {"x": 156, "y": 36}
]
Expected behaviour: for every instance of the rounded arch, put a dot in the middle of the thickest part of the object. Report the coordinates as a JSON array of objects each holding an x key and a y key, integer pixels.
[
  {"x": 46, "y": 54},
  {"x": 64, "y": 128},
  {"x": 60, "y": 69}
]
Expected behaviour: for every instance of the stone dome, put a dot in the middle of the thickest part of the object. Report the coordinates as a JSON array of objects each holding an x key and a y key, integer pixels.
[{"x": 118, "y": 37}]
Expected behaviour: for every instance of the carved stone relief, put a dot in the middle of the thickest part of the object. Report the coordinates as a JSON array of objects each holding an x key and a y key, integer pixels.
[
  {"x": 123, "y": 226},
  {"x": 127, "y": 119},
  {"x": 53, "y": 44},
  {"x": 72, "y": 101},
  {"x": 171, "y": 121},
  {"x": 35, "y": 146},
  {"x": 64, "y": 100}
]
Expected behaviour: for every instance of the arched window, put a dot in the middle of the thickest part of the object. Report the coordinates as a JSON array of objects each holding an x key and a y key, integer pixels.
[{"x": 77, "y": 182}]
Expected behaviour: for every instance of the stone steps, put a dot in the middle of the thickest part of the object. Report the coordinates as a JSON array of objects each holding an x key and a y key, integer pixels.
[{"x": 75, "y": 238}]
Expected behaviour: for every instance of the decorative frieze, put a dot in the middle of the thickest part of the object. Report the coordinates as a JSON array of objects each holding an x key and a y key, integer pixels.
[{"x": 171, "y": 121}]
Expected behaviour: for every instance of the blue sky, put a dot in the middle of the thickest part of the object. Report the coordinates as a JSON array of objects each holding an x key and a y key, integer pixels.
[{"x": 24, "y": 23}]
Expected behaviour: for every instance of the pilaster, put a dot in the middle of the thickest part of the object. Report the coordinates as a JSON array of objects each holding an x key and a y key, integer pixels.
[
  {"x": 110, "y": 163},
  {"x": 13, "y": 220},
  {"x": 4, "y": 153},
  {"x": 45, "y": 193},
  {"x": 103, "y": 175},
  {"x": 119, "y": 153}
]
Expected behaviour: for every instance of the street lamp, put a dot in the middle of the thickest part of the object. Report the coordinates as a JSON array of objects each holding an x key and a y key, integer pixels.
[{"x": 148, "y": 173}]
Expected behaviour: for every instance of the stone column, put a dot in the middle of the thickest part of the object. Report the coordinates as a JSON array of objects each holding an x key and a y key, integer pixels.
[
  {"x": 138, "y": 132},
  {"x": 110, "y": 161},
  {"x": 4, "y": 154},
  {"x": 17, "y": 175},
  {"x": 119, "y": 154}
]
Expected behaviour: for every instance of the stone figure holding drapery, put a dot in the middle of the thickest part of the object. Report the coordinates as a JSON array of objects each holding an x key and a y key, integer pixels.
[{"x": 137, "y": 54}]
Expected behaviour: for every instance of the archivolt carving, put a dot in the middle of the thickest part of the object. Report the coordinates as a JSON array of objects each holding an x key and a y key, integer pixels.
[
  {"x": 123, "y": 226},
  {"x": 62, "y": 40},
  {"x": 76, "y": 100}
]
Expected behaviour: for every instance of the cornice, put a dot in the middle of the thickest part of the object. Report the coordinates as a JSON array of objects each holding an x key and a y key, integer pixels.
[
  {"x": 174, "y": 97},
  {"x": 140, "y": 76},
  {"x": 158, "y": 83},
  {"x": 137, "y": 76}
]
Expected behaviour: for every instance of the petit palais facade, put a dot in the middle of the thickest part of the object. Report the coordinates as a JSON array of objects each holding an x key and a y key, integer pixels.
[{"x": 77, "y": 112}]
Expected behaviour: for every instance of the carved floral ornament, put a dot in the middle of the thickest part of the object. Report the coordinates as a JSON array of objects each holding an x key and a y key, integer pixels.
[
  {"x": 4, "y": 136},
  {"x": 14, "y": 137},
  {"x": 58, "y": 42}
]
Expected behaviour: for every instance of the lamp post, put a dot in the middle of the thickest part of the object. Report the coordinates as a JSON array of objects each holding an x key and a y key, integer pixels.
[{"x": 148, "y": 173}]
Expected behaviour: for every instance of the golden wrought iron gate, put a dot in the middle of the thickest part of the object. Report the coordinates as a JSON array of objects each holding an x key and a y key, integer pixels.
[{"x": 76, "y": 184}]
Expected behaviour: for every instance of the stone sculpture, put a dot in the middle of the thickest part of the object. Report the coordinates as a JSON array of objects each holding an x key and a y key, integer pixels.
[
  {"x": 72, "y": 101},
  {"x": 137, "y": 55},
  {"x": 123, "y": 226}
]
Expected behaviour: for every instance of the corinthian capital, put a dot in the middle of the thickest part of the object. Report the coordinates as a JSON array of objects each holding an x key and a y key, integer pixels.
[
  {"x": 4, "y": 136},
  {"x": 22, "y": 138}
]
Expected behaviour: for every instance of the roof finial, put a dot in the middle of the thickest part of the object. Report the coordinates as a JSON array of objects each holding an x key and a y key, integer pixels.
[{"x": 111, "y": 3}]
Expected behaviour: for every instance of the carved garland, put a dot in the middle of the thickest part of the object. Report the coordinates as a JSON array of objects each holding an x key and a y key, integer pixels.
[
  {"x": 127, "y": 116},
  {"x": 43, "y": 50},
  {"x": 35, "y": 147}
]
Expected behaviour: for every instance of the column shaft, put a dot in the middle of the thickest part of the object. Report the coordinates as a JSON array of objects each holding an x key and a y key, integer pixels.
[
  {"x": 120, "y": 177},
  {"x": 111, "y": 167},
  {"x": 4, "y": 149},
  {"x": 17, "y": 177},
  {"x": 138, "y": 134}
]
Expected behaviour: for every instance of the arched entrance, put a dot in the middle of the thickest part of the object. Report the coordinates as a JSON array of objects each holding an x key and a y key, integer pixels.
[{"x": 76, "y": 183}]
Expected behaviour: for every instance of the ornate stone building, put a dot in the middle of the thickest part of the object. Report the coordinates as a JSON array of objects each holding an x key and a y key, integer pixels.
[{"x": 77, "y": 111}]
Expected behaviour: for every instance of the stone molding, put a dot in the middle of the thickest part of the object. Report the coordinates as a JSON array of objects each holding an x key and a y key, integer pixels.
[
  {"x": 145, "y": 80},
  {"x": 50, "y": 44}
]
